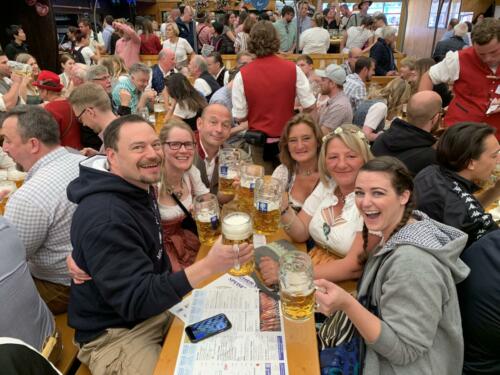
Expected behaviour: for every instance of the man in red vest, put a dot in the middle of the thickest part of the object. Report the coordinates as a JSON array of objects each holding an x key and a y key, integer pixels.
[
  {"x": 264, "y": 93},
  {"x": 476, "y": 75}
]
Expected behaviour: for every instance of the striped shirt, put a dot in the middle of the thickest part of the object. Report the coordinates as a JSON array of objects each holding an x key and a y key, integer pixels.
[{"x": 42, "y": 214}]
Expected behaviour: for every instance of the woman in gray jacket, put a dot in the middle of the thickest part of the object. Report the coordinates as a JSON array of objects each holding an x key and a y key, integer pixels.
[{"x": 413, "y": 271}]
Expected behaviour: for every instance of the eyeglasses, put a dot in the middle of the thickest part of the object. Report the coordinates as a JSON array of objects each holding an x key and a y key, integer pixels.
[
  {"x": 440, "y": 113},
  {"x": 177, "y": 145},
  {"x": 81, "y": 114},
  {"x": 104, "y": 78}
]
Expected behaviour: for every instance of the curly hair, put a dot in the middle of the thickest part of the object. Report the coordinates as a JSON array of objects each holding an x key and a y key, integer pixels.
[
  {"x": 264, "y": 40},
  {"x": 396, "y": 93}
]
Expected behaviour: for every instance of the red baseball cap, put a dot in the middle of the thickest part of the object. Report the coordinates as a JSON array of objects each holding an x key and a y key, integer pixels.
[{"x": 49, "y": 81}]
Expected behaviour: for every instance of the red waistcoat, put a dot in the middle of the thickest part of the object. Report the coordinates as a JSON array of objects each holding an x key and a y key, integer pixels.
[
  {"x": 473, "y": 91},
  {"x": 269, "y": 84}
]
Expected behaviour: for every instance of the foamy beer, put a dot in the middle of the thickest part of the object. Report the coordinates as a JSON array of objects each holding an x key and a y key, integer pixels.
[
  {"x": 296, "y": 285},
  {"x": 207, "y": 217},
  {"x": 237, "y": 229},
  {"x": 10, "y": 187},
  {"x": 229, "y": 161},
  {"x": 16, "y": 176},
  {"x": 159, "y": 109},
  {"x": 267, "y": 198},
  {"x": 249, "y": 173}
]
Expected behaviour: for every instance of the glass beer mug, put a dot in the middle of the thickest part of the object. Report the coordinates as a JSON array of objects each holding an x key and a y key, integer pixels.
[
  {"x": 23, "y": 70},
  {"x": 237, "y": 229},
  {"x": 229, "y": 162},
  {"x": 10, "y": 186},
  {"x": 16, "y": 176},
  {"x": 249, "y": 173},
  {"x": 267, "y": 198},
  {"x": 296, "y": 285},
  {"x": 207, "y": 217},
  {"x": 159, "y": 110}
]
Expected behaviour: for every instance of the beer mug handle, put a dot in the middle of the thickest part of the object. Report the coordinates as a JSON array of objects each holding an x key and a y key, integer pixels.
[{"x": 236, "y": 249}]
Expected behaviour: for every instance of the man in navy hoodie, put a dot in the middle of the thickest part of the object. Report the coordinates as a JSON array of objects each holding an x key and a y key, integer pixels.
[{"x": 120, "y": 314}]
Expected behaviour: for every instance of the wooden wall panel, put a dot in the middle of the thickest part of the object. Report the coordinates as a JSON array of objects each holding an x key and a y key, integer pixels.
[
  {"x": 418, "y": 37},
  {"x": 40, "y": 31},
  {"x": 476, "y": 6}
]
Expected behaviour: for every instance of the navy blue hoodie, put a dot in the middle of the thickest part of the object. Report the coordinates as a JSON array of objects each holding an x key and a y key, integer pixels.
[{"x": 115, "y": 235}]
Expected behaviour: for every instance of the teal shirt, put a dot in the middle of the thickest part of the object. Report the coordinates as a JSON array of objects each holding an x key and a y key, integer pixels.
[
  {"x": 287, "y": 33},
  {"x": 129, "y": 86}
]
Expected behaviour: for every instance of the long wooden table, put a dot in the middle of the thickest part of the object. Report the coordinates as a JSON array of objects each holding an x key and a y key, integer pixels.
[{"x": 300, "y": 337}]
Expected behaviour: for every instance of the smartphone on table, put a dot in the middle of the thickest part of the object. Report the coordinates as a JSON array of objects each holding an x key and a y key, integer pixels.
[{"x": 207, "y": 327}]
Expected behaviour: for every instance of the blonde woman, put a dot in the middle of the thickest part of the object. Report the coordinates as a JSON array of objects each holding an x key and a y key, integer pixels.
[
  {"x": 116, "y": 68},
  {"x": 315, "y": 39},
  {"x": 382, "y": 107},
  {"x": 30, "y": 93},
  {"x": 180, "y": 184},
  {"x": 407, "y": 70},
  {"x": 329, "y": 215},
  {"x": 180, "y": 46}
]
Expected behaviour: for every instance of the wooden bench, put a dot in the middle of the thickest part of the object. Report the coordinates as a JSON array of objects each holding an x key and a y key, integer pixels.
[
  {"x": 320, "y": 61},
  {"x": 83, "y": 370},
  {"x": 69, "y": 350}
]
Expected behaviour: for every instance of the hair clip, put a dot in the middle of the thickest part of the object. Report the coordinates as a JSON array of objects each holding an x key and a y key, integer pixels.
[{"x": 339, "y": 130}]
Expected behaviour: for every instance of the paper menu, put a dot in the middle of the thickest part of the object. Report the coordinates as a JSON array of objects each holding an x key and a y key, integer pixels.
[
  {"x": 245, "y": 348},
  {"x": 181, "y": 310}
]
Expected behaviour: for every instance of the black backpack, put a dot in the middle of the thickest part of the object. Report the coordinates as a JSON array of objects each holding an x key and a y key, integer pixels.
[{"x": 78, "y": 56}]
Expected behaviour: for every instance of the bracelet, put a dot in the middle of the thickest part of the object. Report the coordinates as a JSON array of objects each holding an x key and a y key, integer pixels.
[
  {"x": 285, "y": 210},
  {"x": 286, "y": 227}
]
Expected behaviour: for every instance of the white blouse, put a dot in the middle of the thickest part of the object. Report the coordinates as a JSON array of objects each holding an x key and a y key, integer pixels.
[
  {"x": 181, "y": 48},
  {"x": 337, "y": 238},
  {"x": 196, "y": 187}
]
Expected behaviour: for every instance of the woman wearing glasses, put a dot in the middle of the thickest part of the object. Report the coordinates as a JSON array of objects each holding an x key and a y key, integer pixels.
[{"x": 180, "y": 184}]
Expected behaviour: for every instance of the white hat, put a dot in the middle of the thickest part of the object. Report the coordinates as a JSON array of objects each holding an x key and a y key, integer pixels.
[{"x": 334, "y": 73}]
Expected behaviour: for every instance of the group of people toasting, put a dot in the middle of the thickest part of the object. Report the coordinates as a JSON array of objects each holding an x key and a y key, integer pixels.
[{"x": 330, "y": 192}]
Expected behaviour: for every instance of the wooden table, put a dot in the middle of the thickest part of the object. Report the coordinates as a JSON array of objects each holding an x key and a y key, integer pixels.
[{"x": 300, "y": 337}]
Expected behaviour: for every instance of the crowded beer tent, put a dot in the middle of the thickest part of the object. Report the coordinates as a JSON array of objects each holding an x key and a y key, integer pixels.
[{"x": 250, "y": 187}]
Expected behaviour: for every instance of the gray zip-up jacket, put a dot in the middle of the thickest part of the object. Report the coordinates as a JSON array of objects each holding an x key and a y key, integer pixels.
[{"x": 415, "y": 292}]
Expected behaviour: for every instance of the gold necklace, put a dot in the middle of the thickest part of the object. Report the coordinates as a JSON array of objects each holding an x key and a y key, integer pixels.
[
  {"x": 307, "y": 172},
  {"x": 178, "y": 193}
]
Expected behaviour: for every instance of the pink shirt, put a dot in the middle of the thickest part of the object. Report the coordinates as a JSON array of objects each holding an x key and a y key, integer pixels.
[
  {"x": 205, "y": 34},
  {"x": 129, "y": 49}
]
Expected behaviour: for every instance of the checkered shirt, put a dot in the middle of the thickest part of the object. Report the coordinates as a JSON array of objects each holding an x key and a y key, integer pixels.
[
  {"x": 355, "y": 89},
  {"x": 42, "y": 214}
]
